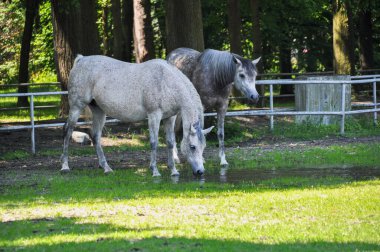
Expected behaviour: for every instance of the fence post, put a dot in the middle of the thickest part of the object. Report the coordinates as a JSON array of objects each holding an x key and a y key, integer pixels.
[
  {"x": 343, "y": 107},
  {"x": 271, "y": 105},
  {"x": 374, "y": 100},
  {"x": 32, "y": 124}
]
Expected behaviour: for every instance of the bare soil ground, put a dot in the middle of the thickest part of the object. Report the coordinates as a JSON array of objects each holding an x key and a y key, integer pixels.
[{"x": 116, "y": 135}]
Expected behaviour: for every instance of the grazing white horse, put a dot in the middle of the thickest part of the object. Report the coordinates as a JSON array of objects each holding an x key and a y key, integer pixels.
[{"x": 134, "y": 92}]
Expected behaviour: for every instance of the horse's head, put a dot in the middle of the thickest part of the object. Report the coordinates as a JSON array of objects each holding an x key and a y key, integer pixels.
[
  {"x": 193, "y": 145},
  {"x": 245, "y": 77}
]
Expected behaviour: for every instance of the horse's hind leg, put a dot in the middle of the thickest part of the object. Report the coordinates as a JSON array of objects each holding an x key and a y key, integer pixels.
[
  {"x": 177, "y": 129},
  {"x": 221, "y": 113},
  {"x": 170, "y": 142},
  {"x": 67, "y": 132},
  {"x": 98, "y": 121}
]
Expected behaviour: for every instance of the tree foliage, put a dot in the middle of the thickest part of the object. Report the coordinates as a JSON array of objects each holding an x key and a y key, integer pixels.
[{"x": 299, "y": 31}]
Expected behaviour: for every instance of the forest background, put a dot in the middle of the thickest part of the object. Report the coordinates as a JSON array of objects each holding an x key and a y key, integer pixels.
[{"x": 39, "y": 38}]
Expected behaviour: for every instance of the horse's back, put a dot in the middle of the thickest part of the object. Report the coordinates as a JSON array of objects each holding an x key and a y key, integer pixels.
[
  {"x": 185, "y": 59},
  {"x": 129, "y": 91}
]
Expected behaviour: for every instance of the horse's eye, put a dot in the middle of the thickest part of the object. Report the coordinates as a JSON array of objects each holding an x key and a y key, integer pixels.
[
  {"x": 242, "y": 76},
  {"x": 192, "y": 147}
]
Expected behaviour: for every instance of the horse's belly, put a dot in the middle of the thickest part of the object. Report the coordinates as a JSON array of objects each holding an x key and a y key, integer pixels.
[
  {"x": 128, "y": 115},
  {"x": 125, "y": 107}
]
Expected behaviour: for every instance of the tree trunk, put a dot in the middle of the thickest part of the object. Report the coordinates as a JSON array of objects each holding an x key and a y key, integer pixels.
[
  {"x": 286, "y": 67},
  {"x": 143, "y": 31},
  {"x": 234, "y": 26},
  {"x": 184, "y": 27},
  {"x": 257, "y": 38},
  {"x": 365, "y": 37},
  {"x": 106, "y": 30},
  {"x": 127, "y": 25},
  {"x": 66, "y": 28},
  {"x": 342, "y": 46},
  {"x": 257, "y": 43},
  {"x": 75, "y": 32},
  {"x": 23, "y": 74},
  {"x": 159, "y": 27},
  {"x": 90, "y": 39},
  {"x": 118, "y": 36}
]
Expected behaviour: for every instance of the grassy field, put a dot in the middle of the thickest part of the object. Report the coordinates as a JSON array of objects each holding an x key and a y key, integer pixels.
[
  {"x": 129, "y": 211},
  {"x": 43, "y": 210}
]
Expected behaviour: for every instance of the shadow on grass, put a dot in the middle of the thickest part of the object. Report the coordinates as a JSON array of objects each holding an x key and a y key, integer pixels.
[{"x": 65, "y": 234}]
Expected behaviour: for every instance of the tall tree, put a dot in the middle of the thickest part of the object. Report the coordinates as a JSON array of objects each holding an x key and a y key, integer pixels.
[
  {"x": 234, "y": 25},
  {"x": 365, "y": 35},
  {"x": 257, "y": 42},
  {"x": 234, "y": 31},
  {"x": 143, "y": 31},
  {"x": 106, "y": 27},
  {"x": 342, "y": 37},
  {"x": 90, "y": 39},
  {"x": 118, "y": 32},
  {"x": 66, "y": 43},
  {"x": 286, "y": 67},
  {"x": 127, "y": 25},
  {"x": 72, "y": 35},
  {"x": 256, "y": 32},
  {"x": 184, "y": 26},
  {"x": 31, "y": 9}
]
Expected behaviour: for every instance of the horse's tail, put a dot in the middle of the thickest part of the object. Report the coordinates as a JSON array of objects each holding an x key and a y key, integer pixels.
[{"x": 77, "y": 59}]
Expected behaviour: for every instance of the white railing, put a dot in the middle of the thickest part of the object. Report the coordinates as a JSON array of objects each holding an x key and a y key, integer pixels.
[{"x": 271, "y": 112}]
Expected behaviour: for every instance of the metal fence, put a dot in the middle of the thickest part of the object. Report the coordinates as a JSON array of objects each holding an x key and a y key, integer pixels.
[{"x": 271, "y": 112}]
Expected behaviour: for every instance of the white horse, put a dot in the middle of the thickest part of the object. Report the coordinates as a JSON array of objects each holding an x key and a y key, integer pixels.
[{"x": 134, "y": 92}]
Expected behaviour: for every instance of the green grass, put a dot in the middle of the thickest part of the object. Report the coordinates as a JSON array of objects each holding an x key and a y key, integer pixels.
[
  {"x": 85, "y": 210},
  {"x": 286, "y": 128},
  {"x": 24, "y": 115},
  {"x": 335, "y": 155},
  {"x": 43, "y": 210}
]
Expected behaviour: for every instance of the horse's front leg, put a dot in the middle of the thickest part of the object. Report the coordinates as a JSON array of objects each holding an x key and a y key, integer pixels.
[
  {"x": 221, "y": 114},
  {"x": 154, "y": 126},
  {"x": 169, "y": 125}
]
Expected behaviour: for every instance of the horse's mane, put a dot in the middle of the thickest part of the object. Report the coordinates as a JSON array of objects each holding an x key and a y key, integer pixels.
[{"x": 221, "y": 65}]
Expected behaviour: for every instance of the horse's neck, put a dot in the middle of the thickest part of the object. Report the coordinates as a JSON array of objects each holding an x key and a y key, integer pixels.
[
  {"x": 225, "y": 79},
  {"x": 190, "y": 115}
]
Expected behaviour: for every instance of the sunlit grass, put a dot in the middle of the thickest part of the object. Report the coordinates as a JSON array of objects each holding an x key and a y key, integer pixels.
[
  {"x": 127, "y": 210},
  {"x": 348, "y": 154},
  {"x": 24, "y": 114}
]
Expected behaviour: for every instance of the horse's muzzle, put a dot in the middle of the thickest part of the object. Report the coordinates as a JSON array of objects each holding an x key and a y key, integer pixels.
[
  {"x": 254, "y": 98},
  {"x": 198, "y": 173}
]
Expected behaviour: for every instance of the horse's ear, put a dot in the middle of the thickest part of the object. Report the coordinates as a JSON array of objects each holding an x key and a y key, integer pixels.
[
  {"x": 193, "y": 130},
  {"x": 236, "y": 60},
  {"x": 206, "y": 131},
  {"x": 256, "y": 60}
]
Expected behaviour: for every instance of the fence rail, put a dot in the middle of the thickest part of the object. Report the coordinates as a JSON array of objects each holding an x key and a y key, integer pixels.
[{"x": 271, "y": 112}]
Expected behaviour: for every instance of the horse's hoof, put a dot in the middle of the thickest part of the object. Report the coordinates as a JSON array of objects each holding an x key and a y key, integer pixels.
[
  {"x": 156, "y": 174},
  {"x": 65, "y": 170},
  {"x": 108, "y": 171},
  {"x": 224, "y": 164},
  {"x": 65, "y": 167},
  {"x": 175, "y": 174}
]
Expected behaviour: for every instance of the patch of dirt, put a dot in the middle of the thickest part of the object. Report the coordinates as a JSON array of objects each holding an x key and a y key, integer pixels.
[{"x": 115, "y": 135}]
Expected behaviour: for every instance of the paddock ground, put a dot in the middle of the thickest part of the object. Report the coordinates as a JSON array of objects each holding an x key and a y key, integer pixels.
[{"x": 50, "y": 139}]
